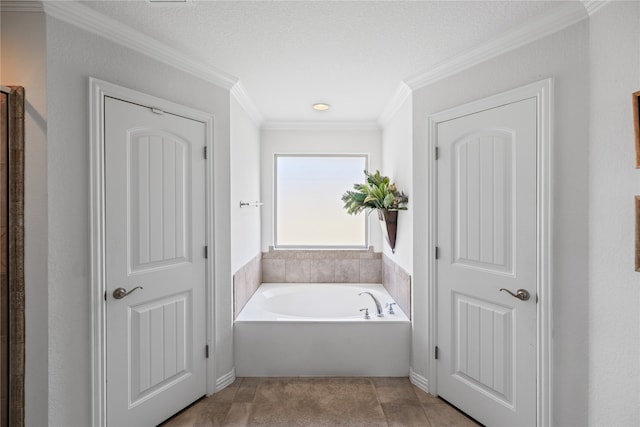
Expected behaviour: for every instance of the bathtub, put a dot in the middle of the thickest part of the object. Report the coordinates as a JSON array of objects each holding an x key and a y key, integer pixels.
[{"x": 293, "y": 330}]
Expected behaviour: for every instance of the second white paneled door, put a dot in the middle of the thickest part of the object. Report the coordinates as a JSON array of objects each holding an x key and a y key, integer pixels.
[
  {"x": 487, "y": 244},
  {"x": 155, "y": 263}
]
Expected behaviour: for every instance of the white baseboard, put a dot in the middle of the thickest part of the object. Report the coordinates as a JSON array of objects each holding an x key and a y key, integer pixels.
[
  {"x": 419, "y": 381},
  {"x": 226, "y": 380}
]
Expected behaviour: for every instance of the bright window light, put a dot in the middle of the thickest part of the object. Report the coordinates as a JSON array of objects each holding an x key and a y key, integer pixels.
[{"x": 309, "y": 212}]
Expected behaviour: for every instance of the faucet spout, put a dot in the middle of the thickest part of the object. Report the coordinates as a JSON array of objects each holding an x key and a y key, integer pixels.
[{"x": 379, "y": 311}]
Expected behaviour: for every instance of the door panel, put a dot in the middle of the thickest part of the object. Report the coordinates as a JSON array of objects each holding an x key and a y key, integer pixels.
[
  {"x": 487, "y": 240},
  {"x": 159, "y": 175},
  {"x": 160, "y": 350},
  {"x": 155, "y": 239},
  {"x": 482, "y": 202},
  {"x": 483, "y": 349}
]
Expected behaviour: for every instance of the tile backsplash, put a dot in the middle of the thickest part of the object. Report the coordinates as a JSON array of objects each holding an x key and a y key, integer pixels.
[
  {"x": 245, "y": 282},
  {"x": 321, "y": 266},
  {"x": 398, "y": 283}
]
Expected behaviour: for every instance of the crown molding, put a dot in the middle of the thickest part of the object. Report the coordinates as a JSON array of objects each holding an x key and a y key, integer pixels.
[
  {"x": 592, "y": 6},
  {"x": 321, "y": 125},
  {"x": 110, "y": 29},
  {"x": 20, "y": 6},
  {"x": 397, "y": 100},
  {"x": 546, "y": 24},
  {"x": 240, "y": 94}
]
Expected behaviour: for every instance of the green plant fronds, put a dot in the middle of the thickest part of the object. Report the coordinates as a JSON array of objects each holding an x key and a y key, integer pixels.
[{"x": 378, "y": 192}]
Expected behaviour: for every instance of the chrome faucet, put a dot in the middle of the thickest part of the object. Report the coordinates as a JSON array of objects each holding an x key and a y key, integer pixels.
[{"x": 379, "y": 311}]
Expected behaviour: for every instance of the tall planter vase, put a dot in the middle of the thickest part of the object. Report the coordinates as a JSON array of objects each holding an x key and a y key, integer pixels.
[{"x": 389, "y": 224}]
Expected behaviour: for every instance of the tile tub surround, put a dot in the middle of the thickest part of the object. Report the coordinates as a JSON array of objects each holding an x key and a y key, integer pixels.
[
  {"x": 317, "y": 402},
  {"x": 398, "y": 283},
  {"x": 321, "y": 266},
  {"x": 245, "y": 282}
]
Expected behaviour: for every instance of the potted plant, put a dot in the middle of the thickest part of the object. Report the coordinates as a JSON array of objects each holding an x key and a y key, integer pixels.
[{"x": 380, "y": 194}]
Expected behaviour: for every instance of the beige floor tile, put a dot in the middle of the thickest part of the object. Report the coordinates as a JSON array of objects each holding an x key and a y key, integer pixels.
[
  {"x": 246, "y": 392},
  {"x": 395, "y": 390},
  {"x": 184, "y": 419},
  {"x": 389, "y": 381},
  {"x": 318, "y": 402},
  {"x": 205, "y": 413},
  {"x": 405, "y": 415},
  {"x": 317, "y": 389},
  {"x": 425, "y": 397},
  {"x": 254, "y": 381},
  {"x": 309, "y": 413},
  {"x": 214, "y": 414},
  {"x": 225, "y": 395},
  {"x": 238, "y": 415},
  {"x": 444, "y": 415},
  {"x": 228, "y": 393}
]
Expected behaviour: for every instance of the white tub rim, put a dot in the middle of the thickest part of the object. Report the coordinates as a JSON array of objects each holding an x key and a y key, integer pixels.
[{"x": 249, "y": 313}]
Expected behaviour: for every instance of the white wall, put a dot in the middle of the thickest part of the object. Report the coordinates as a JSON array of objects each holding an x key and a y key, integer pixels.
[
  {"x": 397, "y": 148},
  {"x": 23, "y": 64},
  {"x": 315, "y": 141},
  {"x": 245, "y": 186},
  {"x": 563, "y": 56},
  {"x": 614, "y": 286},
  {"x": 73, "y": 55}
]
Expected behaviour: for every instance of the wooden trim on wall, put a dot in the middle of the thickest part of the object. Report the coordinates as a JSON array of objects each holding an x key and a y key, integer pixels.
[
  {"x": 637, "y": 199},
  {"x": 635, "y": 97},
  {"x": 16, "y": 257}
]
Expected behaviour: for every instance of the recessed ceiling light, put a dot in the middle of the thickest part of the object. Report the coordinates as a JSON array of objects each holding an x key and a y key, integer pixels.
[
  {"x": 321, "y": 106},
  {"x": 169, "y": 2}
]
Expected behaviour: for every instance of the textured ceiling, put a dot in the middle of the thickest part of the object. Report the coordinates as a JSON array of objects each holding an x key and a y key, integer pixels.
[{"x": 350, "y": 54}]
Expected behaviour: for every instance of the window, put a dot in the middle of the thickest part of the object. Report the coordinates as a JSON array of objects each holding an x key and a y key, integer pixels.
[{"x": 308, "y": 205}]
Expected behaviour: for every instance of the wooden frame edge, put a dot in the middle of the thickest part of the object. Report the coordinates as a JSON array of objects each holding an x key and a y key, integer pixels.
[
  {"x": 635, "y": 98},
  {"x": 637, "y": 210},
  {"x": 16, "y": 257}
]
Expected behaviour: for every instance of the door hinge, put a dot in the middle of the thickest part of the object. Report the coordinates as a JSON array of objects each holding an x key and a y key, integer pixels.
[
  {"x": 206, "y": 251},
  {"x": 437, "y": 252},
  {"x": 205, "y": 152},
  {"x": 206, "y": 351},
  {"x": 105, "y": 295},
  {"x": 437, "y": 153},
  {"x": 436, "y": 352}
]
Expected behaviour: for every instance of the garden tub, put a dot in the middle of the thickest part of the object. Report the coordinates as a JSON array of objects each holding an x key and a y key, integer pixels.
[{"x": 317, "y": 329}]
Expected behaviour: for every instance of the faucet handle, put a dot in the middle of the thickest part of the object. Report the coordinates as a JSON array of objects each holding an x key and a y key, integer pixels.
[
  {"x": 390, "y": 305},
  {"x": 366, "y": 313}
]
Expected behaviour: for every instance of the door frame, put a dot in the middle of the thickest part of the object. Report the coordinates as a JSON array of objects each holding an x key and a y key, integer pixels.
[
  {"x": 543, "y": 92},
  {"x": 98, "y": 90}
]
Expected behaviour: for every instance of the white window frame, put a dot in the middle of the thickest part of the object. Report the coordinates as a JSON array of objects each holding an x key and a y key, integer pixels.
[{"x": 275, "y": 204}]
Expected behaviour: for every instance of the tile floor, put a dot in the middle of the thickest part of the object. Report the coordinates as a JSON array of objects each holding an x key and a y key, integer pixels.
[{"x": 316, "y": 402}]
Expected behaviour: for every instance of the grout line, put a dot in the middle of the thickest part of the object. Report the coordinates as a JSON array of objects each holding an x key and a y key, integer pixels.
[{"x": 375, "y": 388}]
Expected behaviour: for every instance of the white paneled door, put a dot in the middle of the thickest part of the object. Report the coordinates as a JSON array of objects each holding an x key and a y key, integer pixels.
[
  {"x": 487, "y": 248},
  {"x": 155, "y": 263}
]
